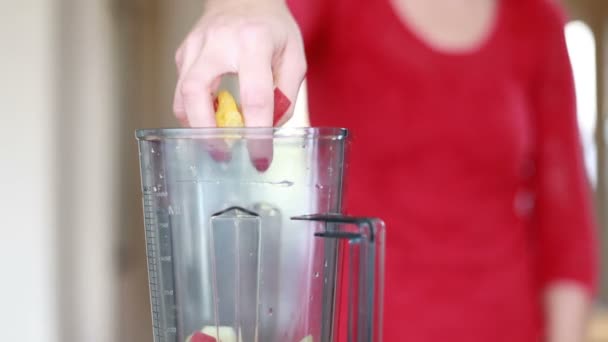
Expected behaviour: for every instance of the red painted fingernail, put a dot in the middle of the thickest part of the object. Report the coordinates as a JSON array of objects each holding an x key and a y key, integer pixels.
[
  {"x": 220, "y": 156},
  {"x": 261, "y": 164}
]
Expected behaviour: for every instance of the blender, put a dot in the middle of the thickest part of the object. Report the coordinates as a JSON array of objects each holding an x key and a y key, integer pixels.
[{"x": 238, "y": 255}]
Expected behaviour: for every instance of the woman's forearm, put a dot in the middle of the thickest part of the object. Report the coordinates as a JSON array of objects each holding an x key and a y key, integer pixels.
[{"x": 567, "y": 306}]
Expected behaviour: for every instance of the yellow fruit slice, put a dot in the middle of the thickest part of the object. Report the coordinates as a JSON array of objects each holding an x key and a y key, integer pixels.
[
  {"x": 227, "y": 113},
  {"x": 307, "y": 339}
]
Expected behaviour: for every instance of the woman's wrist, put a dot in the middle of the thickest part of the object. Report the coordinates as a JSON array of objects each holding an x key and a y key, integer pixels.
[{"x": 566, "y": 311}]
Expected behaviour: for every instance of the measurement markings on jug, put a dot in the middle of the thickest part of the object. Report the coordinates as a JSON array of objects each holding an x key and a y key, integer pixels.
[{"x": 157, "y": 213}]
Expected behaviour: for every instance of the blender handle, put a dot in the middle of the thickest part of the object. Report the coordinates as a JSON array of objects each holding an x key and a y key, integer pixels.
[{"x": 363, "y": 238}]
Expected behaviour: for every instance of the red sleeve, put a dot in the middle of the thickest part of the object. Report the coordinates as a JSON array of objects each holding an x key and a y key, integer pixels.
[
  {"x": 310, "y": 16},
  {"x": 566, "y": 222}
]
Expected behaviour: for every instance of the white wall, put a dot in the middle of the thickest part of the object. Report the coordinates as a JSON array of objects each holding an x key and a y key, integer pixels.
[
  {"x": 88, "y": 121},
  {"x": 27, "y": 172},
  {"x": 57, "y": 171},
  {"x": 582, "y": 50}
]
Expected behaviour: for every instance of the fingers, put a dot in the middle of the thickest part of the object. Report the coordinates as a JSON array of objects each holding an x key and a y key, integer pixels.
[
  {"x": 201, "y": 64},
  {"x": 289, "y": 76},
  {"x": 199, "y": 78},
  {"x": 178, "y": 107},
  {"x": 197, "y": 87},
  {"x": 258, "y": 98},
  {"x": 256, "y": 90},
  {"x": 256, "y": 84},
  {"x": 218, "y": 149},
  {"x": 261, "y": 151},
  {"x": 184, "y": 58}
]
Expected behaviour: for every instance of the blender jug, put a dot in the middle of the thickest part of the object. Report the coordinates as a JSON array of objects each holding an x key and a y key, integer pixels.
[{"x": 238, "y": 255}]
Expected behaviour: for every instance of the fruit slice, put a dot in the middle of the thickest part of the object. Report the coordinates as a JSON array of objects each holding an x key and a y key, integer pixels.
[
  {"x": 307, "y": 339},
  {"x": 227, "y": 113},
  {"x": 281, "y": 105},
  {"x": 222, "y": 334},
  {"x": 200, "y": 337},
  {"x": 214, "y": 334}
]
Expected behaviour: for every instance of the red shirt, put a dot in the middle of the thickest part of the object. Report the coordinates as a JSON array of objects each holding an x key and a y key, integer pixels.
[{"x": 472, "y": 159}]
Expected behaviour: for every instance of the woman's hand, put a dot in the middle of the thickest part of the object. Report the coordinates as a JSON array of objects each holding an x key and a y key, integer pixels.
[
  {"x": 567, "y": 307},
  {"x": 256, "y": 39},
  {"x": 260, "y": 42}
]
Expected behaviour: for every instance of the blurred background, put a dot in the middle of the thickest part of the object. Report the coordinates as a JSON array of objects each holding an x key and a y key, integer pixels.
[{"x": 77, "y": 78}]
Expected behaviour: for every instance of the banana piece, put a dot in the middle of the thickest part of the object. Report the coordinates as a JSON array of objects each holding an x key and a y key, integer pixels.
[{"x": 227, "y": 113}]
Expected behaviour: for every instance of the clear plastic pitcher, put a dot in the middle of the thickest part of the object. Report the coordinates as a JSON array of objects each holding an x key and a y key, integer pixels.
[{"x": 238, "y": 255}]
